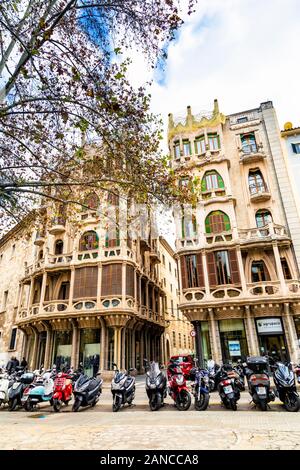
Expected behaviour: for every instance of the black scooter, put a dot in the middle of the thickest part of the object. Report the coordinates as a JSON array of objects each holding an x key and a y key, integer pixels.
[
  {"x": 87, "y": 391},
  {"x": 259, "y": 386},
  {"x": 229, "y": 386},
  {"x": 284, "y": 380},
  {"x": 15, "y": 392},
  {"x": 122, "y": 388},
  {"x": 156, "y": 384}
]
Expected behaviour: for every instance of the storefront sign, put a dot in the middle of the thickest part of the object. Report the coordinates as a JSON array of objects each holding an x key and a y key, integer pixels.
[
  {"x": 234, "y": 348},
  {"x": 269, "y": 326}
]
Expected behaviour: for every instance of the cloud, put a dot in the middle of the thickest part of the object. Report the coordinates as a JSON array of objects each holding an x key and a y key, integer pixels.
[{"x": 242, "y": 52}]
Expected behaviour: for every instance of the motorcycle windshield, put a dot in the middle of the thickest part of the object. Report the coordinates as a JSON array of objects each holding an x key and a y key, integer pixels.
[
  {"x": 210, "y": 364},
  {"x": 118, "y": 377},
  {"x": 153, "y": 371},
  {"x": 82, "y": 379},
  {"x": 284, "y": 372}
]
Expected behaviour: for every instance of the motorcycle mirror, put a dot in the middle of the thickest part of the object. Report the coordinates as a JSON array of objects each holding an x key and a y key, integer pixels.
[{"x": 131, "y": 369}]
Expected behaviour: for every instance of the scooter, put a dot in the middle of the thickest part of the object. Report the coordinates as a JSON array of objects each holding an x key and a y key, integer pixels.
[
  {"x": 63, "y": 389},
  {"x": 6, "y": 382},
  {"x": 177, "y": 387},
  {"x": 200, "y": 388},
  {"x": 16, "y": 391},
  {"x": 229, "y": 386},
  {"x": 284, "y": 380},
  {"x": 122, "y": 388},
  {"x": 87, "y": 391},
  {"x": 156, "y": 385},
  {"x": 213, "y": 371},
  {"x": 40, "y": 391},
  {"x": 259, "y": 385}
]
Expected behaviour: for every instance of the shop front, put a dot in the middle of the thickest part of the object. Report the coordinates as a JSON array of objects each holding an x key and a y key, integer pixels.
[
  {"x": 62, "y": 349},
  {"x": 233, "y": 339},
  {"x": 89, "y": 350},
  {"x": 271, "y": 338}
]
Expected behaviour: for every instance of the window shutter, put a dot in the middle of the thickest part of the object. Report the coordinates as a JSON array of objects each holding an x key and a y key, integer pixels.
[
  {"x": 220, "y": 181},
  {"x": 184, "y": 280},
  {"x": 130, "y": 280},
  {"x": 85, "y": 282},
  {"x": 200, "y": 274},
  {"x": 111, "y": 279},
  {"x": 267, "y": 275},
  {"x": 294, "y": 148},
  {"x": 211, "y": 266},
  {"x": 203, "y": 184},
  {"x": 234, "y": 268}
]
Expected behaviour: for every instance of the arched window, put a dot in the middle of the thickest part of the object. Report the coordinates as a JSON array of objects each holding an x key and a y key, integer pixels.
[
  {"x": 188, "y": 223},
  {"x": 248, "y": 143},
  {"x": 256, "y": 182},
  {"x": 59, "y": 247},
  {"x": 217, "y": 222},
  {"x": 92, "y": 201},
  {"x": 89, "y": 241},
  {"x": 263, "y": 217},
  {"x": 259, "y": 272},
  {"x": 212, "y": 180}
]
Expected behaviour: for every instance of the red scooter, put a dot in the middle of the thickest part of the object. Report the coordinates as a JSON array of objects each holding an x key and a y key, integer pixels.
[
  {"x": 63, "y": 389},
  {"x": 177, "y": 387}
]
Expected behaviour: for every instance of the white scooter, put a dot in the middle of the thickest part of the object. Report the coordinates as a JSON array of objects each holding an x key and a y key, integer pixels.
[{"x": 5, "y": 383}]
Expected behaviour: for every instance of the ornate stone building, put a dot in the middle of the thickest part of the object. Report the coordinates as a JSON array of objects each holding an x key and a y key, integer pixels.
[
  {"x": 239, "y": 278},
  {"x": 73, "y": 291}
]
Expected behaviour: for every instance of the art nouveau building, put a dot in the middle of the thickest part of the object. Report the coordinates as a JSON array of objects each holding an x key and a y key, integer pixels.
[
  {"x": 239, "y": 278},
  {"x": 73, "y": 291}
]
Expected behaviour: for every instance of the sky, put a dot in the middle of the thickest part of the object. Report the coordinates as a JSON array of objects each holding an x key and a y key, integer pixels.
[{"x": 242, "y": 52}]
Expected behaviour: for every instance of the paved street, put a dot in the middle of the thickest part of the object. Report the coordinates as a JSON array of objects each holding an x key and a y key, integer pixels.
[{"x": 139, "y": 428}]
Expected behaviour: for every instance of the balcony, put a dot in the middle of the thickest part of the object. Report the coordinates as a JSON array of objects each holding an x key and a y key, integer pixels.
[
  {"x": 259, "y": 193},
  {"x": 57, "y": 225},
  {"x": 39, "y": 238},
  {"x": 223, "y": 237},
  {"x": 262, "y": 234},
  {"x": 251, "y": 153},
  {"x": 187, "y": 243},
  {"x": 63, "y": 259}
]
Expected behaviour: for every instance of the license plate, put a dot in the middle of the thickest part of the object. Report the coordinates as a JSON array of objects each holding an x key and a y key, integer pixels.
[
  {"x": 261, "y": 390},
  {"x": 228, "y": 389}
]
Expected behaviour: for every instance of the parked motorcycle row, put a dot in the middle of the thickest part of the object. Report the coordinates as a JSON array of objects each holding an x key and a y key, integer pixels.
[{"x": 23, "y": 389}]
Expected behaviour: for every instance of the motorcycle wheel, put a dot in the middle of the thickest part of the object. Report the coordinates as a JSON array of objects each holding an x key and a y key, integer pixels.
[
  {"x": 202, "y": 404},
  {"x": 263, "y": 405},
  {"x": 28, "y": 405},
  {"x": 67, "y": 402},
  {"x": 183, "y": 401},
  {"x": 12, "y": 404},
  {"x": 232, "y": 404},
  {"x": 292, "y": 403},
  {"x": 76, "y": 405},
  {"x": 116, "y": 403},
  {"x": 94, "y": 403},
  {"x": 56, "y": 404}
]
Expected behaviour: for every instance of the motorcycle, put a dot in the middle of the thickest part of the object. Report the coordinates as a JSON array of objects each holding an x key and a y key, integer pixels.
[
  {"x": 122, "y": 388},
  {"x": 177, "y": 387},
  {"x": 297, "y": 372},
  {"x": 63, "y": 389},
  {"x": 284, "y": 380},
  {"x": 200, "y": 388},
  {"x": 259, "y": 386},
  {"x": 87, "y": 391},
  {"x": 40, "y": 391},
  {"x": 213, "y": 371},
  {"x": 229, "y": 386},
  {"x": 156, "y": 385},
  {"x": 6, "y": 382},
  {"x": 16, "y": 391}
]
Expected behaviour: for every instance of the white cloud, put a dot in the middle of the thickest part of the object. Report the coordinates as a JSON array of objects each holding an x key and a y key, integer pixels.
[{"x": 242, "y": 52}]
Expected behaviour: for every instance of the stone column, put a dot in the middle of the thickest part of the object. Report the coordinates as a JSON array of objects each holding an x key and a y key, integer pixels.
[
  {"x": 252, "y": 339},
  {"x": 103, "y": 344},
  {"x": 35, "y": 349},
  {"x": 20, "y": 298},
  {"x": 133, "y": 355},
  {"x": 241, "y": 269},
  {"x": 43, "y": 290},
  {"x": 48, "y": 346},
  {"x": 142, "y": 351},
  {"x": 205, "y": 272},
  {"x": 291, "y": 334},
  {"x": 75, "y": 335},
  {"x": 215, "y": 337},
  {"x": 31, "y": 292},
  {"x": 71, "y": 294},
  {"x": 279, "y": 268},
  {"x": 162, "y": 349},
  {"x": 123, "y": 348},
  {"x": 147, "y": 298}
]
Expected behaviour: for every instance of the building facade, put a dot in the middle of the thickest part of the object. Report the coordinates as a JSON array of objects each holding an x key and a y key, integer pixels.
[
  {"x": 73, "y": 291},
  {"x": 239, "y": 281}
]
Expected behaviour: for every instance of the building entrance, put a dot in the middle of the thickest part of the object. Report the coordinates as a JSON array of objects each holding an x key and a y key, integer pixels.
[{"x": 271, "y": 338}]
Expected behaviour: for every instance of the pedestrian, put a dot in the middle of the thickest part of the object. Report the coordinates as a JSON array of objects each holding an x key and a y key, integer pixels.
[{"x": 24, "y": 363}]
